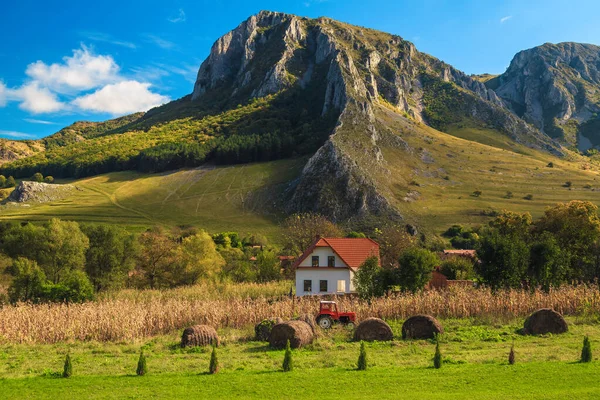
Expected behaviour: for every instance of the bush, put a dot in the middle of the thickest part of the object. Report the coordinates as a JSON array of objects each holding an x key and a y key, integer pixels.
[
  {"x": 550, "y": 165},
  {"x": 511, "y": 355},
  {"x": 528, "y": 197},
  {"x": 213, "y": 368},
  {"x": 37, "y": 177},
  {"x": 287, "y": 359},
  {"x": 437, "y": 357},
  {"x": 2, "y": 181},
  {"x": 362, "y": 357},
  {"x": 477, "y": 193},
  {"x": 142, "y": 368},
  {"x": 416, "y": 267},
  {"x": 568, "y": 184},
  {"x": 49, "y": 179},
  {"x": 457, "y": 268},
  {"x": 10, "y": 182},
  {"x": 68, "y": 368},
  {"x": 586, "y": 351}
]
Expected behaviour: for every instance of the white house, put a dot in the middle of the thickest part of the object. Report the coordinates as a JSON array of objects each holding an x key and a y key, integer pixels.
[{"x": 329, "y": 264}]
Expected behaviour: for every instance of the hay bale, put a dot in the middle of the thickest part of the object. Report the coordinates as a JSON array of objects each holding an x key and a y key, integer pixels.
[
  {"x": 421, "y": 327},
  {"x": 199, "y": 335},
  {"x": 298, "y": 333},
  {"x": 310, "y": 320},
  {"x": 373, "y": 329},
  {"x": 262, "y": 330},
  {"x": 545, "y": 320}
]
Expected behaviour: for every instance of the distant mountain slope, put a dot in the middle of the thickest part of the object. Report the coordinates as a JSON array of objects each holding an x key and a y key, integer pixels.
[{"x": 556, "y": 87}]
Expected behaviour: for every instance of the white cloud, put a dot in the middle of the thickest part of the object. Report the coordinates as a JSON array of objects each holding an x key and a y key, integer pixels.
[
  {"x": 82, "y": 71},
  {"x": 179, "y": 18},
  {"x": 36, "y": 99},
  {"x": 104, "y": 37},
  {"x": 121, "y": 98},
  {"x": 504, "y": 19},
  {"x": 39, "y": 121},
  {"x": 16, "y": 135},
  {"x": 160, "y": 42},
  {"x": 3, "y": 94}
]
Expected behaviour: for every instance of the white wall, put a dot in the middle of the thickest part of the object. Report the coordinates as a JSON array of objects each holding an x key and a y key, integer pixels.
[
  {"x": 316, "y": 274},
  {"x": 323, "y": 253}
]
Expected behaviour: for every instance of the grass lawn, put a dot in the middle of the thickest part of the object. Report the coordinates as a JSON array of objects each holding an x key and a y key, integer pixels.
[{"x": 475, "y": 366}]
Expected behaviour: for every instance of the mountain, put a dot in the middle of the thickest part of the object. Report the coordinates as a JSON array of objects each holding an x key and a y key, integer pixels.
[
  {"x": 556, "y": 88},
  {"x": 381, "y": 129}
]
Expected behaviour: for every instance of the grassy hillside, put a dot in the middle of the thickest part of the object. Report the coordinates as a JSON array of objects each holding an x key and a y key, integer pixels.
[{"x": 213, "y": 198}]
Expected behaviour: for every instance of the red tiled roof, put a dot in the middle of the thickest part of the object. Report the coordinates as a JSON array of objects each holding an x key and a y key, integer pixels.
[
  {"x": 353, "y": 251},
  {"x": 461, "y": 252}
]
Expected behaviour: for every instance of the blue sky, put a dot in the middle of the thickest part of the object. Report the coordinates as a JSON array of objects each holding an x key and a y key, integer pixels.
[{"x": 64, "y": 61}]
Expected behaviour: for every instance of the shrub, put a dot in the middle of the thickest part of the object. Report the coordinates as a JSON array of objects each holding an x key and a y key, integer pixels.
[
  {"x": 586, "y": 351},
  {"x": 457, "y": 268},
  {"x": 511, "y": 355},
  {"x": 477, "y": 193},
  {"x": 68, "y": 368},
  {"x": 37, "y": 177},
  {"x": 528, "y": 197},
  {"x": 416, "y": 266},
  {"x": 142, "y": 368},
  {"x": 437, "y": 357},
  {"x": 362, "y": 357},
  {"x": 509, "y": 195},
  {"x": 10, "y": 182},
  {"x": 568, "y": 184},
  {"x": 2, "y": 181},
  {"x": 550, "y": 165},
  {"x": 214, "y": 362},
  {"x": 287, "y": 359},
  {"x": 49, "y": 179}
]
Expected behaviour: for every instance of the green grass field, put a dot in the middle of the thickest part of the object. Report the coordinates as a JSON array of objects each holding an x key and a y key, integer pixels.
[{"x": 475, "y": 366}]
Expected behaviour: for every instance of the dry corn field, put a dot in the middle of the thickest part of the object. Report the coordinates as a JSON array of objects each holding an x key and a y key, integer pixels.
[{"x": 127, "y": 317}]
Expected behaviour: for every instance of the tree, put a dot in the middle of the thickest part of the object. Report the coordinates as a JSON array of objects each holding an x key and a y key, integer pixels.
[
  {"x": 142, "y": 367},
  {"x": 370, "y": 279},
  {"x": 576, "y": 227},
  {"x": 393, "y": 241},
  {"x": 110, "y": 256},
  {"x": 503, "y": 260},
  {"x": 415, "y": 268},
  {"x": 457, "y": 268},
  {"x": 548, "y": 263},
  {"x": 437, "y": 357},
  {"x": 2, "y": 181},
  {"x": 28, "y": 281},
  {"x": 37, "y": 177},
  {"x": 68, "y": 368},
  {"x": 213, "y": 368},
  {"x": 288, "y": 363},
  {"x": 10, "y": 182},
  {"x": 63, "y": 249},
  {"x": 198, "y": 258},
  {"x": 268, "y": 267},
  {"x": 513, "y": 224},
  {"x": 586, "y": 351},
  {"x": 300, "y": 231},
  {"x": 237, "y": 266},
  {"x": 157, "y": 258},
  {"x": 49, "y": 179},
  {"x": 362, "y": 357}
]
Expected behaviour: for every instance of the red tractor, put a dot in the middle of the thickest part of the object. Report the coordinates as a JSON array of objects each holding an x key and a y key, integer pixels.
[{"x": 328, "y": 314}]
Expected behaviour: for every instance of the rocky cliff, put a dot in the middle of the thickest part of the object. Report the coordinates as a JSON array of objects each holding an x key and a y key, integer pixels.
[
  {"x": 556, "y": 88},
  {"x": 361, "y": 70}
]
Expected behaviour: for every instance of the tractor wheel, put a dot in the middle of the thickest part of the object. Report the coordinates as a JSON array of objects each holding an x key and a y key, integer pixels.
[{"x": 325, "y": 322}]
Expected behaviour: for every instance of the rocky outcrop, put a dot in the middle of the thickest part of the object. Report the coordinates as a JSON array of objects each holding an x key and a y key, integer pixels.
[
  {"x": 555, "y": 87},
  {"x": 39, "y": 192}
]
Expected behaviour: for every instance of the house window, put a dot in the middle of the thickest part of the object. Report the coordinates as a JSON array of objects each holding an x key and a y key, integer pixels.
[
  {"x": 323, "y": 285},
  {"x": 331, "y": 261},
  {"x": 315, "y": 261},
  {"x": 308, "y": 285},
  {"x": 341, "y": 286}
]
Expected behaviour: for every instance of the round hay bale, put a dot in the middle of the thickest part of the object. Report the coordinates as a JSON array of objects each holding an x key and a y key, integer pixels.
[
  {"x": 262, "y": 330},
  {"x": 310, "y": 320},
  {"x": 545, "y": 320},
  {"x": 298, "y": 333},
  {"x": 199, "y": 335},
  {"x": 373, "y": 329},
  {"x": 421, "y": 327}
]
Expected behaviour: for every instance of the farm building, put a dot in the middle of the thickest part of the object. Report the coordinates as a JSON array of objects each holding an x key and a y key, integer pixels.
[{"x": 328, "y": 265}]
